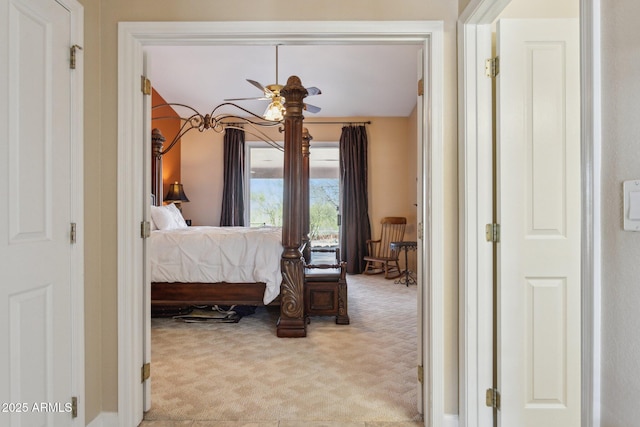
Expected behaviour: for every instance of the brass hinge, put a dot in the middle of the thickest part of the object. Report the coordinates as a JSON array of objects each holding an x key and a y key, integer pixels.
[
  {"x": 492, "y": 67},
  {"x": 493, "y": 398},
  {"x": 145, "y": 85},
  {"x": 146, "y": 371},
  {"x": 420, "y": 87},
  {"x": 145, "y": 229},
  {"x": 74, "y": 407},
  {"x": 492, "y": 232},
  {"x": 72, "y": 57},
  {"x": 73, "y": 234},
  {"x": 421, "y": 374}
]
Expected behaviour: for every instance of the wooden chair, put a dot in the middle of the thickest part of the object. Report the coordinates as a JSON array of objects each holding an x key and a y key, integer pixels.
[{"x": 381, "y": 258}]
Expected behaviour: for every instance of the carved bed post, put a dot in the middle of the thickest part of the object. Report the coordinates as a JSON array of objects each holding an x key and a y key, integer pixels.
[
  {"x": 292, "y": 321},
  {"x": 156, "y": 165},
  {"x": 306, "y": 221}
]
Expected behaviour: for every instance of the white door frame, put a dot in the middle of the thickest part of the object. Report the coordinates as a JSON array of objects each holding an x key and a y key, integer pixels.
[
  {"x": 475, "y": 169},
  {"x": 76, "y": 11},
  {"x": 133, "y": 36}
]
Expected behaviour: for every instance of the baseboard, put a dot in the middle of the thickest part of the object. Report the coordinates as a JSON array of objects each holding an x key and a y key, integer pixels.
[
  {"x": 105, "y": 419},
  {"x": 450, "y": 420},
  {"x": 110, "y": 419}
]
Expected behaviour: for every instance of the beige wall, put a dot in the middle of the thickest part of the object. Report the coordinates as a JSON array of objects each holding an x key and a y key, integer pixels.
[
  {"x": 620, "y": 249},
  {"x": 620, "y": 161},
  {"x": 100, "y": 50},
  {"x": 392, "y": 168},
  {"x": 202, "y": 176}
]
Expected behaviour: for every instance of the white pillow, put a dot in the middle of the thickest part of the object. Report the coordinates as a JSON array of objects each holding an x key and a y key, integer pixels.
[
  {"x": 167, "y": 217},
  {"x": 153, "y": 223}
]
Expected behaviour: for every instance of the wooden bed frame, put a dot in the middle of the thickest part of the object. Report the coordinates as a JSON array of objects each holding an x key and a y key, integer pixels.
[{"x": 295, "y": 231}]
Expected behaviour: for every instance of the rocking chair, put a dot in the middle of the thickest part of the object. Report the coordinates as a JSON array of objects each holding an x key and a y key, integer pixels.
[{"x": 381, "y": 258}]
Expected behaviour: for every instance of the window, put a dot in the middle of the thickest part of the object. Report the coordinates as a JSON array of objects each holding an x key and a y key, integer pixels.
[{"x": 266, "y": 189}]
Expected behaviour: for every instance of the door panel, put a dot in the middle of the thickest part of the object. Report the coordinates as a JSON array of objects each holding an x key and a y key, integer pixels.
[
  {"x": 538, "y": 209},
  {"x": 35, "y": 246}
]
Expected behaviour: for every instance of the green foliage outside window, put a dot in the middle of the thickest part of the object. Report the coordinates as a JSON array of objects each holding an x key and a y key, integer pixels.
[{"x": 266, "y": 207}]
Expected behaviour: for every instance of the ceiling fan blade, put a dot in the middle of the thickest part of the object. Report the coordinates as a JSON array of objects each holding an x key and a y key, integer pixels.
[
  {"x": 313, "y": 91},
  {"x": 311, "y": 108},
  {"x": 266, "y": 91}
]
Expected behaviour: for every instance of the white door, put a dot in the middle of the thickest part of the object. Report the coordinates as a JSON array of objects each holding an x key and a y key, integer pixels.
[
  {"x": 35, "y": 216},
  {"x": 538, "y": 209}
]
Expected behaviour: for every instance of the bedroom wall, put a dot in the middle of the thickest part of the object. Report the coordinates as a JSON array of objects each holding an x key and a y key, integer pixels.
[
  {"x": 392, "y": 169},
  {"x": 171, "y": 171},
  {"x": 101, "y": 133}
]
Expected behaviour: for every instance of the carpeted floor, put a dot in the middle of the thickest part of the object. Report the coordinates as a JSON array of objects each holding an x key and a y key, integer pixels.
[{"x": 362, "y": 372}]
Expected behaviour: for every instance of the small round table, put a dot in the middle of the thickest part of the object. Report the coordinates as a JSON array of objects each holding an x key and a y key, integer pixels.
[{"x": 407, "y": 277}]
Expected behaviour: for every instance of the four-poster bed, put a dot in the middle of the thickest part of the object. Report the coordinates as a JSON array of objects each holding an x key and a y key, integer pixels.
[{"x": 294, "y": 239}]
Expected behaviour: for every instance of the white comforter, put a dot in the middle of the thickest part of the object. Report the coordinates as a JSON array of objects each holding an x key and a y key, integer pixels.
[{"x": 218, "y": 254}]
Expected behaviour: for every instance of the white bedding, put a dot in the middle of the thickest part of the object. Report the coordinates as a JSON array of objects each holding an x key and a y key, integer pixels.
[{"x": 218, "y": 254}]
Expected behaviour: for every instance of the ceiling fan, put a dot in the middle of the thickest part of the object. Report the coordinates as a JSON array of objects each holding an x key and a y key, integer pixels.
[{"x": 275, "y": 110}]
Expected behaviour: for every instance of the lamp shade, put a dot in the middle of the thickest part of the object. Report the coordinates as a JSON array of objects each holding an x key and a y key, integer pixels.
[
  {"x": 275, "y": 110},
  {"x": 176, "y": 194}
]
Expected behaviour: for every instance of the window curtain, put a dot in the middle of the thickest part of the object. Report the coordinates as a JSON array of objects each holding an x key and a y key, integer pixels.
[
  {"x": 355, "y": 228},
  {"x": 233, "y": 186}
]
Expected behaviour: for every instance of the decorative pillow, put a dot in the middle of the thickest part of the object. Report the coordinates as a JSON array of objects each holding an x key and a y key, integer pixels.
[
  {"x": 153, "y": 223},
  {"x": 167, "y": 217},
  {"x": 177, "y": 216}
]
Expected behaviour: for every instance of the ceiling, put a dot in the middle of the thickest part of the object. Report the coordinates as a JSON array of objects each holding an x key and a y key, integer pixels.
[{"x": 355, "y": 80}]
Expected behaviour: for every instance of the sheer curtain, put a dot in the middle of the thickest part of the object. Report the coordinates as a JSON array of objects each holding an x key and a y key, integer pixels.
[
  {"x": 355, "y": 228},
  {"x": 233, "y": 186}
]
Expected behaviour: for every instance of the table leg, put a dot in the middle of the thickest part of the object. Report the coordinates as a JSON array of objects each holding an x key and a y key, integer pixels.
[{"x": 406, "y": 266}]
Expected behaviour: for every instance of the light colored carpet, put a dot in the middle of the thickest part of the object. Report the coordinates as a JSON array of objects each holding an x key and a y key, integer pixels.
[{"x": 365, "y": 371}]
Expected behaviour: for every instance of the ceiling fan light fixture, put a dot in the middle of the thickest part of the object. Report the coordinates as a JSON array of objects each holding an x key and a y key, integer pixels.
[{"x": 275, "y": 111}]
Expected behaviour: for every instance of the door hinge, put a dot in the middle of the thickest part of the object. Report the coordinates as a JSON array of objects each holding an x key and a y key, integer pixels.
[
  {"x": 73, "y": 234},
  {"x": 420, "y": 231},
  {"x": 493, "y": 232},
  {"x": 72, "y": 57},
  {"x": 74, "y": 407},
  {"x": 493, "y": 398},
  {"x": 146, "y": 371},
  {"x": 492, "y": 67},
  {"x": 421, "y": 374},
  {"x": 145, "y": 229},
  {"x": 420, "y": 87},
  {"x": 145, "y": 85}
]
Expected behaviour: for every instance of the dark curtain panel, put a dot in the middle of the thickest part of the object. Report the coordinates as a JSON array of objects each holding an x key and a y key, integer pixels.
[
  {"x": 233, "y": 187},
  {"x": 355, "y": 228}
]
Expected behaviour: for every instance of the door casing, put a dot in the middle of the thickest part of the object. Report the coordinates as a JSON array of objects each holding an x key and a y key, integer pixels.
[
  {"x": 475, "y": 195},
  {"x": 133, "y": 36}
]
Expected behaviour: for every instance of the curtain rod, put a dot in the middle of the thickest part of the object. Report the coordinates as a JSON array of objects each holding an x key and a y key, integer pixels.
[
  {"x": 337, "y": 123},
  {"x": 313, "y": 123}
]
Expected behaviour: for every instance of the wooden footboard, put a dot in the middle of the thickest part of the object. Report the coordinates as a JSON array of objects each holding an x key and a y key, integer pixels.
[{"x": 180, "y": 294}]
